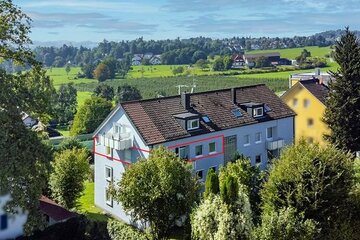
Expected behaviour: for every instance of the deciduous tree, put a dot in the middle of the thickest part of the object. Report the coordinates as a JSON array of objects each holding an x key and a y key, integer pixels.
[
  {"x": 65, "y": 103},
  {"x": 211, "y": 183},
  {"x": 90, "y": 115},
  {"x": 102, "y": 72},
  {"x": 168, "y": 194},
  {"x": 67, "y": 180},
  {"x": 104, "y": 91},
  {"x": 127, "y": 93}
]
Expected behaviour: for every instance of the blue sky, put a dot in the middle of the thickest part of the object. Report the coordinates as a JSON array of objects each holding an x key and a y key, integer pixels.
[{"x": 91, "y": 20}]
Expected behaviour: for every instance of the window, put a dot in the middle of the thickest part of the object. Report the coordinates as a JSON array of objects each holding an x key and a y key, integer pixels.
[
  {"x": 267, "y": 108},
  {"x": 3, "y": 222},
  {"x": 306, "y": 103},
  {"x": 198, "y": 150},
  {"x": 206, "y": 119},
  {"x": 212, "y": 147},
  {"x": 182, "y": 152},
  {"x": 117, "y": 128},
  {"x": 108, "y": 198},
  {"x": 270, "y": 132},
  {"x": 213, "y": 168},
  {"x": 236, "y": 112},
  {"x": 295, "y": 102},
  {"x": 127, "y": 155},
  {"x": 108, "y": 174},
  {"x": 258, "y": 159},
  {"x": 109, "y": 151},
  {"x": 310, "y": 122},
  {"x": 97, "y": 140},
  {"x": 258, "y": 137},
  {"x": 258, "y": 112},
  {"x": 247, "y": 140},
  {"x": 192, "y": 124},
  {"x": 200, "y": 174}
]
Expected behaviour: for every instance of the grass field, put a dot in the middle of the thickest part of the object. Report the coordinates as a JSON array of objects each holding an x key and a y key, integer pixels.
[
  {"x": 87, "y": 206},
  {"x": 292, "y": 53},
  {"x": 59, "y": 76}
]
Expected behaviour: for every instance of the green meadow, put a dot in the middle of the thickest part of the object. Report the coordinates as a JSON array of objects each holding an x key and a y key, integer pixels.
[{"x": 292, "y": 53}]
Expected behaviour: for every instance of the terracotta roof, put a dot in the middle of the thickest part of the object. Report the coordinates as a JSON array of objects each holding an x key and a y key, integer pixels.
[
  {"x": 319, "y": 90},
  {"x": 155, "y": 121},
  {"x": 53, "y": 210}
]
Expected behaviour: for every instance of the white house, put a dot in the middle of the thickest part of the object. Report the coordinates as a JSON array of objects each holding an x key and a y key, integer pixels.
[
  {"x": 11, "y": 225},
  {"x": 206, "y": 129}
]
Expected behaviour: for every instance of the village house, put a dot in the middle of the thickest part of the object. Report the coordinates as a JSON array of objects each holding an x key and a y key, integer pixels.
[
  {"x": 205, "y": 129},
  {"x": 238, "y": 61},
  {"x": 155, "y": 60},
  {"x": 250, "y": 59}
]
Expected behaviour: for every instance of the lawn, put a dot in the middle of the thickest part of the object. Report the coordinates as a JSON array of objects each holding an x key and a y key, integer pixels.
[
  {"x": 59, "y": 76},
  {"x": 86, "y": 204},
  {"x": 81, "y": 97}
]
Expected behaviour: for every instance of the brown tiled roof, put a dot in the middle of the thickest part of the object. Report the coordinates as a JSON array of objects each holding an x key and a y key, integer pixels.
[
  {"x": 317, "y": 89},
  {"x": 155, "y": 121},
  {"x": 257, "y": 55},
  {"x": 53, "y": 210}
]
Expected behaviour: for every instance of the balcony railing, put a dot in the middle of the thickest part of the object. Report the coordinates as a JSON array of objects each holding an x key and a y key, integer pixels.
[
  {"x": 273, "y": 145},
  {"x": 119, "y": 141}
]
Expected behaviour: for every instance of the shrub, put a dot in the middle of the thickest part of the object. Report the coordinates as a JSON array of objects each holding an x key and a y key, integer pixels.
[{"x": 121, "y": 231}]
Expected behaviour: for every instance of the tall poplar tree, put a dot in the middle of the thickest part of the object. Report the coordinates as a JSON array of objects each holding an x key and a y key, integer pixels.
[
  {"x": 24, "y": 161},
  {"x": 342, "y": 112}
]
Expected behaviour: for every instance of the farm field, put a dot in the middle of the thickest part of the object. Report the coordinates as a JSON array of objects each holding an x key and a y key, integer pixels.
[
  {"x": 292, "y": 53},
  {"x": 59, "y": 76}
]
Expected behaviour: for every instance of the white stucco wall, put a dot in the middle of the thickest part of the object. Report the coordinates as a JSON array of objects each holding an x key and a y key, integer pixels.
[{"x": 15, "y": 222}]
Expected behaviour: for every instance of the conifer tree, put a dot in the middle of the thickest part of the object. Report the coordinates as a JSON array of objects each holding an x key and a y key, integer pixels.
[
  {"x": 211, "y": 183},
  {"x": 342, "y": 112}
]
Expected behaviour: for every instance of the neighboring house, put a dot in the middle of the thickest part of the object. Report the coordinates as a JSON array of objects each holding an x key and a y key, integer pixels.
[
  {"x": 28, "y": 120},
  {"x": 206, "y": 129},
  {"x": 306, "y": 98},
  {"x": 317, "y": 74},
  {"x": 250, "y": 59},
  {"x": 11, "y": 225},
  {"x": 155, "y": 60},
  {"x": 238, "y": 61},
  {"x": 148, "y": 56},
  {"x": 136, "y": 60}
]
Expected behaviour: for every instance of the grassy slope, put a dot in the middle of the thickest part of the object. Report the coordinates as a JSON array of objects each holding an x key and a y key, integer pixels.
[
  {"x": 87, "y": 206},
  {"x": 59, "y": 76},
  {"x": 292, "y": 53}
]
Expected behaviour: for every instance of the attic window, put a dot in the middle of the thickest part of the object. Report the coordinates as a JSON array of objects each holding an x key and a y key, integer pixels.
[
  {"x": 258, "y": 112},
  {"x": 267, "y": 108},
  {"x": 206, "y": 119},
  {"x": 236, "y": 112},
  {"x": 192, "y": 124}
]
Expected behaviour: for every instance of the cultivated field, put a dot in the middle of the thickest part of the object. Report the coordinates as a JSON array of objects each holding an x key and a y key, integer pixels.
[{"x": 292, "y": 53}]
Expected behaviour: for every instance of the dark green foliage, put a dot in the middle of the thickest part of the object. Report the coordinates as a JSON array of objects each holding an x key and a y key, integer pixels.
[
  {"x": 127, "y": 93},
  {"x": 67, "y": 68},
  {"x": 78, "y": 228},
  {"x": 90, "y": 115},
  {"x": 101, "y": 72},
  {"x": 227, "y": 62},
  {"x": 262, "y": 62},
  {"x": 342, "y": 112},
  {"x": 303, "y": 56},
  {"x": 313, "y": 180},
  {"x": 229, "y": 190},
  {"x": 70, "y": 143},
  {"x": 211, "y": 183},
  {"x": 119, "y": 230},
  {"x": 178, "y": 70},
  {"x": 157, "y": 190},
  {"x": 218, "y": 64},
  {"x": 104, "y": 91},
  {"x": 88, "y": 70},
  {"x": 65, "y": 103},
  {"x": 25, "y": 160}
]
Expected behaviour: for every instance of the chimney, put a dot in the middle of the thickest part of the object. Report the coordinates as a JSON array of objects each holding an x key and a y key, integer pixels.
[
  {"x": 233, "y": 95},
  {"x": 317, "y": 72},
  {"x": 185, "y": 100}
]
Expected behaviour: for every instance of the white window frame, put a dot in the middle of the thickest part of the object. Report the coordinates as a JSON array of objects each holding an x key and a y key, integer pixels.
[
  {"x": 200, "y": 170},
  {"x": 255, "y": 112},
  {"x": 258, "y": 140},
  {"x": 110, "y": 201},
  {"x": 190, "y": 122},
  {"x": 247, "y": 143},
  {"x": 258, "y": 163},
  {"x": 183, "y": 148},
  {"x": 202, "y": 151},
  {"x": 109, "y": 178},
  {"x": 272, "y": 133},
  {"x": 212, "y": 152}
]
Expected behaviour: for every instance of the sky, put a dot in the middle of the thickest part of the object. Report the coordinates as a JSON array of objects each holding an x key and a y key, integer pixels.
[{"x": 91, "y": 20}]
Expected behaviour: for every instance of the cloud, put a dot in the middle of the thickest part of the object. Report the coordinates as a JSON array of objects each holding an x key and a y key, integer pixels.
[
  {"x": 54, "y": 33},
  {"x": 95, "y": 21},
  {"x": 130, "y": 7}
]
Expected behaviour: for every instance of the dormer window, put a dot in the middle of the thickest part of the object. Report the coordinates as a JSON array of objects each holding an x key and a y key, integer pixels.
[
  {"x": 258, "y": 112},
  {"x": 192, "y": 124}
]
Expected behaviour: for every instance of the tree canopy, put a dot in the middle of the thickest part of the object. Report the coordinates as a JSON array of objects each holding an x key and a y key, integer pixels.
[
  {"x": 65, "y": 103},
  {"x": 127, "y": 93}
]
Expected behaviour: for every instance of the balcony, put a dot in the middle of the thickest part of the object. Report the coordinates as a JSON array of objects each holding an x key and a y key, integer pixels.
[
  {"x": 277, "y": 144},
  {"x": 120, "y": 141}
]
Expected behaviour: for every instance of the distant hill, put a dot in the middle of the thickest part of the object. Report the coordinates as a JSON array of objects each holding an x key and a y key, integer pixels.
[{"x": 58, "y": 44}]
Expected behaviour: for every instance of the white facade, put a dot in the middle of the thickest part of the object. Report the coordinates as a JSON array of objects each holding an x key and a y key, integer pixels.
[
  {"x": 11, "y": 226},
  {"x": 211, "y": 150}
]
